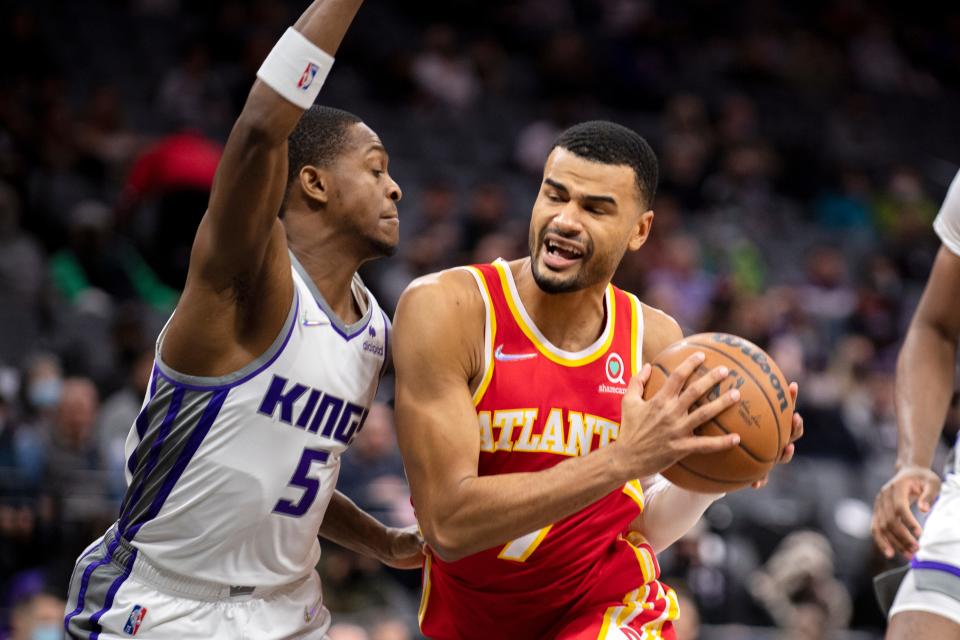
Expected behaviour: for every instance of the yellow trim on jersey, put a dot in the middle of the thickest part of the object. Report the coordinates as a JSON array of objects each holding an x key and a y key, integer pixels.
[
  {"x": 635, "y": 490},
  {"x": 636, "y": 328},
  {"x": 425, "y": 596},
  {"x": 528, "y": 550},
  {"x": 545, "y": 348},
  {"x": 490, "y": 335}
]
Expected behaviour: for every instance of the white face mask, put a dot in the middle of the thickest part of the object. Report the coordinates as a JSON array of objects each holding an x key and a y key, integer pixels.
[
  {"x": 44, "y": 394},
  {"x": 47, "y": 632}
]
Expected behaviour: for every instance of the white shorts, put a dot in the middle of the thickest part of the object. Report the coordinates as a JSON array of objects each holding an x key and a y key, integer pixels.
[
  {"x": 933, "y": 582},
  {"x": 115, "y": 593}
]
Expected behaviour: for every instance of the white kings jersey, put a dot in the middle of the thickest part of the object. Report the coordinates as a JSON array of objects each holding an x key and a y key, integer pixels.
[
  {"x": 228, "y": 478},
  {"x": 947, "y": 226}
]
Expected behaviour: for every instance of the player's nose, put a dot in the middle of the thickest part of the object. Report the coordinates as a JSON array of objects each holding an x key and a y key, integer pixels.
[
  {"x": 393, "y": 191},
  {"x": 568, "y": 218}
]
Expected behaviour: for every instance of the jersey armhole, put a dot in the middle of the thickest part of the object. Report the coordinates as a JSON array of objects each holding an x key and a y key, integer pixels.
[
  {"x": 636, "y": 333},
  {"x": 489, "y": 333}
]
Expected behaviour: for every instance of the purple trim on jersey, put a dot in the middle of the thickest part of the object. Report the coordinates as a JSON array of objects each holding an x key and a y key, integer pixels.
[
  {"x": 193, "y": 444},
  {"x": 350, "y": 336},
  {"x": 85, "y": 581},
  {"x": 111, "y": 594},
  {"x": 153, "y": 379},
  {"x": 935, "y": 566},
  {"x": 143, "y": 421},
  {"x": 154, "y": 454},
  {"x": 386, "y": 344},
  {"x": 249, "y": 376}
]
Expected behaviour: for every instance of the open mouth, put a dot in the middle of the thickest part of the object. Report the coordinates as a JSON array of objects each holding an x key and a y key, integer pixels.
[{"x": 559, "y": 253}]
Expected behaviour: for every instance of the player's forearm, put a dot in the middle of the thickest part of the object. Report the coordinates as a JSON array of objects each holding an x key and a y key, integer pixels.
[
  {"x": 353, "y": 528},
  {"x": 271, "y": 117},
  {"x": 669, "y": 512},
  {"x": 486, "y": 511},
  {"x": 924, "y": 384}
]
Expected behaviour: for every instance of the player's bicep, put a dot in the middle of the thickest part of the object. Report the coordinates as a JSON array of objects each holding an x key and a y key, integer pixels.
[
  {"x": 244, "y": 201},
  {"x": 937, "y": 307},
  {"x": 436, "y": 422}
]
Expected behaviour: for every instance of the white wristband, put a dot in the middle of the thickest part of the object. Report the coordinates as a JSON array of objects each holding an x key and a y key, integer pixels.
[{"x": 296, "y": 68}]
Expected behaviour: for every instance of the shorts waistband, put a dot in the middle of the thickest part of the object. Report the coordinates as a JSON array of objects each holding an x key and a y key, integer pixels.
[{"x": 179, "y": 584}]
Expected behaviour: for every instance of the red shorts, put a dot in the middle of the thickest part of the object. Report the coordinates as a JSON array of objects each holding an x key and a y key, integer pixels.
[{"x": 621, "y": 598}]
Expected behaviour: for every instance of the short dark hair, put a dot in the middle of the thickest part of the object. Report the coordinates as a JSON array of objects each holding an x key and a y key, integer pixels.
[
  {"x": 611, "y": 143},
  {"x": 320, "y": 136}
]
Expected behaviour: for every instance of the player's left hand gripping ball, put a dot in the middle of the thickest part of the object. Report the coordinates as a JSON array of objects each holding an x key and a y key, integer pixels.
[
  {"x": 405, "y": 548},
  {"x": 796, "y": 431}
]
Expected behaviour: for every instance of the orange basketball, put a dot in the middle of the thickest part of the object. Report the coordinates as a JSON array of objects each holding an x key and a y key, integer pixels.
[{"x": 762, "y": 417}]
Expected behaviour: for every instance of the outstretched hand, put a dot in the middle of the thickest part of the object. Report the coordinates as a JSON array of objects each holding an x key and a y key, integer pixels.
[
  {"x": 894, "y": 526},
  {"x": 796, "y": 432}
]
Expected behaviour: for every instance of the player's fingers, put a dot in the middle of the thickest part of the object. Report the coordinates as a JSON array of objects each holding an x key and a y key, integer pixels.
[
  {"x": 931, "y": 489},
  {"x": 900, "y": 537},
  {"x": 787, "y": 454},
  {"x": 678, "y": 377},
  {"x": 710, "y": 410},
  {"x": 639, "y": 381},
  {"x": 761, "y": 483},
  {"x": 796, "y": 427},
  {"x": 708, "y": 444},
  {"x": 702, "y": 386},
  {"x": 881, "y": 539},
  {"x": 793, "y": 389}
]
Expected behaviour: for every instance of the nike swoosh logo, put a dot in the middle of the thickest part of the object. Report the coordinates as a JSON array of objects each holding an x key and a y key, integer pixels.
[{"x": 511, "y": 357}]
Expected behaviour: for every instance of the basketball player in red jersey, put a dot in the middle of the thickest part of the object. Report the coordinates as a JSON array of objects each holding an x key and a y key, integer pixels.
[{"x": 522, "y": 423}]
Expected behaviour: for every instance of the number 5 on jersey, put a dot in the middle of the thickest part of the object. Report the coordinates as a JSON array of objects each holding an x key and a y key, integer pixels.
[{"x": 301, "y": 478}]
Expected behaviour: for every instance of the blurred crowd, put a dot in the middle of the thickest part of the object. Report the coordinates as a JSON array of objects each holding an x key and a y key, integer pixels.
[{"x": 804, "y": 151}]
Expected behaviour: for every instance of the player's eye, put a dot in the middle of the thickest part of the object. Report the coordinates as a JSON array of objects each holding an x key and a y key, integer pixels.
[{"x": 377, "y": 172}]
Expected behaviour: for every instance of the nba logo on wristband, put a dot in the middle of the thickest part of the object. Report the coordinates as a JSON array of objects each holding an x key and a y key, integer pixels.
[{"x": 306, "y": 78}]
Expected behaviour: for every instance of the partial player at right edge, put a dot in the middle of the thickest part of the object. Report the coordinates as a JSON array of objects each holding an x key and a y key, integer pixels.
[{"x": 927, "y": 604}]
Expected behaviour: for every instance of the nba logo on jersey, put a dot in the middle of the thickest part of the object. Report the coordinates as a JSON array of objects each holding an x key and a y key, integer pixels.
[
  {"x": 135, "y": 618},
  {"x": 306, "y": 78}
]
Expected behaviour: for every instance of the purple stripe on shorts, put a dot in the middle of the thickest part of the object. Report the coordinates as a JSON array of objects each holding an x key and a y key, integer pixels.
[
  {"x": 111, "y": 594},
  {"x": 85, "y": 581},
  {"x": 935, "y": 566}
]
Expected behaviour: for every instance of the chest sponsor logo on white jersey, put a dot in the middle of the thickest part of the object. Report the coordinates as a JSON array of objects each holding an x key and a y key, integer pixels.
[{"x": 323, "y": 413}]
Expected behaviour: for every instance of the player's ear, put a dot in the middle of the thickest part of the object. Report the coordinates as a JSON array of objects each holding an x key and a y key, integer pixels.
[
  {"x": 315, "y": 183},
  {"x": 641, "y": 231}
]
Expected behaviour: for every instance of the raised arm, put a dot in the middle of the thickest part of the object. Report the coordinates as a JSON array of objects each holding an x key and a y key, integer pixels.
[
  {"x": 924, "y": 384},
  {"x": 239, "y": 289},
  {"x": 252, "y": 176},
  {"x": 461, "y": 512}
]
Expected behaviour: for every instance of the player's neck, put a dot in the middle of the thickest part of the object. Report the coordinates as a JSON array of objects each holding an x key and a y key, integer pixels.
[
  {"x": 332, "y": 269},
  {"x": 570, "y": 321}
]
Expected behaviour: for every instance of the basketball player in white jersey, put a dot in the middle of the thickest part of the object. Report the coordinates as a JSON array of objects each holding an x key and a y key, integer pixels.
[
  {"x": 263, "y": 377},
  {"x": 927, "y": 604}
]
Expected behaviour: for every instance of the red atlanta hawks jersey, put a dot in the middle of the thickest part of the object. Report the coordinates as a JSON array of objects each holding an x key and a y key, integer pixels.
[{"x": 538, "y": 405}]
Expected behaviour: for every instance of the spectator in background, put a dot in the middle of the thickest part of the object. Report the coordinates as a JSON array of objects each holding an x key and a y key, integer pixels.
[
  {"x": 164, "y": 198},
  {"x": 487, "y": 211},
  {"x": 116, "y": 419},
  {"x": 36, "y": 608},
  {"x": 372, "y": 472},
  {"x": 797, "y": 588},
  {"x": 442, "y": 73},
  {"x": 99, "y": 267},
  {"x": 21, "y": 280}
]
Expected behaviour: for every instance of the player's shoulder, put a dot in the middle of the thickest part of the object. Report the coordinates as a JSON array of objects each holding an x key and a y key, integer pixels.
[
  {"x": 452, "y": 291},
  {"x": 660, "y": 330}
]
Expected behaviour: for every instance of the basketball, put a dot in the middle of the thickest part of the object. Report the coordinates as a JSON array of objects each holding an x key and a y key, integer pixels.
[{"x": 762, "y": 417}]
